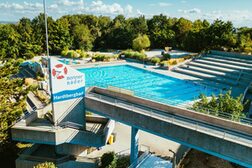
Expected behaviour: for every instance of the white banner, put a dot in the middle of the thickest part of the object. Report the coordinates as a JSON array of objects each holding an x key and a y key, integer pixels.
[{"x": 67, "y": 82}]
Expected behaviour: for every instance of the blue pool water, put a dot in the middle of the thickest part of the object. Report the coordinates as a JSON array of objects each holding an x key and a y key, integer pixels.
[
  {"x": 67, "y": 61},
  {"x": 146, "y": 84}
]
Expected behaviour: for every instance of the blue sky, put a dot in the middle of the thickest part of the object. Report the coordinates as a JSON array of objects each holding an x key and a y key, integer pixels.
[{"x": 237, "y": 11}]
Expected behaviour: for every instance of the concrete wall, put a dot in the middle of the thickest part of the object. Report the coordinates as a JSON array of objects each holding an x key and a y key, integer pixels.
[
  {"x": 58, "y": 136},
  {"x": 33, "y": 136},
  {"x": 178, "y": 111},
  {"x": 70, "y": 149},
  {"x": 70, "y": 110},
  {"x": 33, "y": 116}
]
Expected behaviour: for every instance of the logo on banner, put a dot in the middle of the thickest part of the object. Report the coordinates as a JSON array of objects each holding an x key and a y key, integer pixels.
[{"x": 59, "y": 71}]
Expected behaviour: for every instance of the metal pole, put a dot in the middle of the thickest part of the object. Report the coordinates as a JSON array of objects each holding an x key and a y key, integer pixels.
[
  {"x": 46, "y": 29},
  {"x": 173, "y": 159},
  {"x": 48, "y": 59}
]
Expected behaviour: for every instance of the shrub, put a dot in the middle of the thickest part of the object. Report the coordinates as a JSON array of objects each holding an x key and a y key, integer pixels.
[
  {"x": 100, "y": 57},
  {"x": 109, "y": 160},
  {"x": 45, "y": 165},
  {"x": 155, "y": 60},
  {"x": 83, "y": 54},
  {"x": 163, "y": 63},
  {"x": 72, "y": 54},
  {"x": 134, "y": 55},
  {"x": 64, "y": 53},
  {"x": 166, "y": 56},
  {"x": 222, "y": 103},
  {"x": 141, "y": 42},
  {"x": 123, "y": 161},
  {"x": 173, "y": 62}
]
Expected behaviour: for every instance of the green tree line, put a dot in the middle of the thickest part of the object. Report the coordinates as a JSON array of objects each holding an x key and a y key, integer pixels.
[
  {"x": 90, "y": 32},
  {"x": 13, "y": 93}
]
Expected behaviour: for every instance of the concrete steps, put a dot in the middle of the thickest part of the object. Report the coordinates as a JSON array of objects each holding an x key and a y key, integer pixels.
[
  {"x": 208, "y": 71},
  {"x": 215, "y": 72},
  {"x": 232, "y": 72},
  {"x": 221, "y": 70},
  {"x": 228, "y": 66},
  {"x": 207, "y": 76},
  {"x": 230, "y": 58},
  {"x": 247, "y": 65}
]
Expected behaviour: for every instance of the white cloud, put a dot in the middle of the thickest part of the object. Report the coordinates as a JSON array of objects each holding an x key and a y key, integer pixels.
[
  {"x": 99, "y": 7},
  {"x": 161, "y": 4},
  {"x": 236, "y": 16},
  {"x": 33, "y": 6},
  {"x": 128, "y": 9},
  {"x": 139, "y": 12},
  {"x": 164, "y": 4},
  {"x": 53, "y": 6},
  {"x": 23, "y": 6},
  {"x": 190, "y": 11},
  {"x": 183, "y": 2},
  {"x": 70, "y": 3}
]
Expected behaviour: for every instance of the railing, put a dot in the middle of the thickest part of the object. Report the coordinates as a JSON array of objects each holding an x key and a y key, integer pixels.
[
  {"x": 69, "y": 124},
  {"x": 246, "y": 90},
  {"x": 186, "y": 105},
  {"x": 140, "y": 160},
  {"x": 238, "y": 79},
  {"x": 204, "y": 89},
  {"x": 177, "y": 120},
  {"x": 142, "y": 148}
]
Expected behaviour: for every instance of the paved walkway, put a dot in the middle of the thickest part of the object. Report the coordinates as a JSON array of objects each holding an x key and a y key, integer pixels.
[{"x": 157, "y": 144}]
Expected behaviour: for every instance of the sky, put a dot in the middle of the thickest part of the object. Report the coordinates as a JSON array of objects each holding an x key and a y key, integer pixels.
[{"x": 237, "y": 11}]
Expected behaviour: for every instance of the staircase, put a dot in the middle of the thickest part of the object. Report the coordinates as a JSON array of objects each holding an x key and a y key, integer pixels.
[{"x": 221, "y": 70}]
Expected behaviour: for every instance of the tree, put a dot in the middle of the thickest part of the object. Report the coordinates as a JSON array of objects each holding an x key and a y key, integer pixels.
[
  {"x": 59, "y": 36},
  {"x": 38, "y": 26},
  {"x": 137, "y": 26},
  {"x": 13, "y": 93},
  {"x": 141, "y": 42},
  {"x": 161, "y": 32},
  {"x": 27, "y": 45},
  {"x": 9, "y": 42},
  {"x": 82, "y": 38},
  {"x": 221, "y": 34},
  {"x": 182, "y": 28},
  {"x": 223, "y": 103},
  {"x": 109, "y": 160},
  {"x": 244, "y": 41}
]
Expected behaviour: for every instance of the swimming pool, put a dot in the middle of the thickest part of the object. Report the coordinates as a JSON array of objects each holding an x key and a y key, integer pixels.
[{"x": 146, "y": 84}]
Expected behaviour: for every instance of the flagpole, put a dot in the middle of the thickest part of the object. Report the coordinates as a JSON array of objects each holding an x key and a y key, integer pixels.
[
  {"x": 46, "y": 29},
  {"x": 48, "y": 59}
]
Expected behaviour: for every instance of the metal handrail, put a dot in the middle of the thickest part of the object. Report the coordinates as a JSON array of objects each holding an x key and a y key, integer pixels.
[
  {"x": 184, "y": 105},
  {"x": 140, "y": 159}
]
